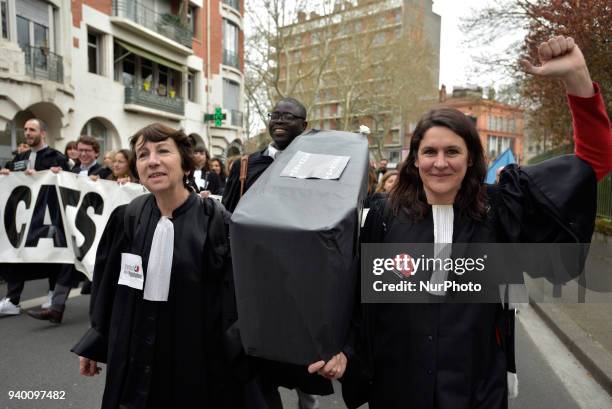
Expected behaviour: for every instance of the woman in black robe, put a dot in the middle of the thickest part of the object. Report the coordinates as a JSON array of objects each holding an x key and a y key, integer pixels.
[
  {"x": 156, "y": 306},
  {"x": 455, "y": 356}
]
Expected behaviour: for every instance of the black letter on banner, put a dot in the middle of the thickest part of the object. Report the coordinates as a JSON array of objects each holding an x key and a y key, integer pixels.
[
  {"x": 19, "y": 194},
  {"x": 85, "y": 225},
  {"x": 70, "y": 197},
  {"x": 47, "y": 198}
]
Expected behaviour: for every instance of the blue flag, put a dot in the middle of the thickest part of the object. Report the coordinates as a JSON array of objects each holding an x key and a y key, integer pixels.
[{"x": 506, "y": 158}]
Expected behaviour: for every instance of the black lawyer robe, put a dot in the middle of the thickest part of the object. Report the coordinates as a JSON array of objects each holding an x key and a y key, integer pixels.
[
  {"x": 447, "y": 356},
  {"x": 46, "y": 158},
  {"x": 258, "y": 163},
  {"x": 161, "y": 354}
]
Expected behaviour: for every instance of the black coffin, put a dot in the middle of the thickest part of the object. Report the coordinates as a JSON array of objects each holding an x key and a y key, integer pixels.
[{"x": 294, "y": 242}]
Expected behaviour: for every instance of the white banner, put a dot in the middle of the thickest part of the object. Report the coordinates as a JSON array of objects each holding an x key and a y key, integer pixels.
[{"x": 57, "y": 218}]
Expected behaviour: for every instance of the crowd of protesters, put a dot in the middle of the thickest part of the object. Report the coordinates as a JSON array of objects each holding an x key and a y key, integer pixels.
[
  {"x": 82, "y": 157},
  {"x": 170, "y": 345}
]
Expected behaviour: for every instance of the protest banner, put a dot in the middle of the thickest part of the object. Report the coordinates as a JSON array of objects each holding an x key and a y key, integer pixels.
[{"x": 57, "y": 218}]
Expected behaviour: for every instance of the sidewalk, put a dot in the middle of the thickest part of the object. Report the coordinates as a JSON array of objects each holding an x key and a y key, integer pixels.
[{"x": 586, "y": 329}]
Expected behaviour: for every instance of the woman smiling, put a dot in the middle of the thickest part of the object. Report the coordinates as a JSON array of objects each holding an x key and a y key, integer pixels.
[{"x": 454, "y": 356}]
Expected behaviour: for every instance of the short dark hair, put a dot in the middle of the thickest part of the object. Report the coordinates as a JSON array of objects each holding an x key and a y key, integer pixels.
[
  {"x": 157, "y": 132},
  {"x": 202, "y": 149},
  {"x": 42, "y": 125},
  {"x": 409, "y": 195},
  {"x": 70, "y": 145},
  {"x": 193, "y": 137},
  {"x": 91, "y": 141},
  {"x": 298, "y": 104}
]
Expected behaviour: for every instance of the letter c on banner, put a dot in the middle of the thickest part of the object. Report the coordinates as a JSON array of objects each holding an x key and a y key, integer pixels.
[{"x": 19, "y": 194}]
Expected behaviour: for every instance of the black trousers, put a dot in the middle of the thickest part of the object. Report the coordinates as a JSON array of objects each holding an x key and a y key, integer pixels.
[{"x": 16, "y": 274}]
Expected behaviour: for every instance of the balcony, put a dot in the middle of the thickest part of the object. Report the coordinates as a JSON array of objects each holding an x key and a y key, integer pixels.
[
  {"x": 167, "y": 25},
  {"x": 42, "y": 64},
  {"x": 237, "y": 118},
  {"x": 139, "y": 94},
  {"x": 233, "y": 3},
  {"x": 231, "y": 58}
]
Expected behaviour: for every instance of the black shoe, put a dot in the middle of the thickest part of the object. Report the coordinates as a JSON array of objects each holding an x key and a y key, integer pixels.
[
  {"x": 47, "y": 314},
  {"x": 86, "y": 289}
]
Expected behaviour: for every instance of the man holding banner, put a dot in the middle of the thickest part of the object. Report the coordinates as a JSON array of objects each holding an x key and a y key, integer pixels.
[{"x": 39, "y": 157}]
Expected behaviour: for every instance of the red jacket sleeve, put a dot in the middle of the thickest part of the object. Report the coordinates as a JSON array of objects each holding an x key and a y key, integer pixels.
[{"x": 592, "y": 134}]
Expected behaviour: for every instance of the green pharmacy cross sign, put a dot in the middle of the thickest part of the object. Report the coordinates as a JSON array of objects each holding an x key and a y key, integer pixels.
[{"x": 218, "y": 117}]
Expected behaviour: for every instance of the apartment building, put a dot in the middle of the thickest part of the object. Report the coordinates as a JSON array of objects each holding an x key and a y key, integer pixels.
[
  {"x": 109, "y": 67},
  {"x": 499, "y": 125},
  {"x": 351, "y": 42}
]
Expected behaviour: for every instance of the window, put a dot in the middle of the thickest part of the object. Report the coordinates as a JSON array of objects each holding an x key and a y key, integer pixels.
[
  {"x": 133, "y": 70},
  {"x": 23, "y": 32},
  {"x": 191, "y": 86},
  {"x": 175, "y": 79},
  {"x": 163, "y": 81},
  {"x": 231, "y": 94},
  {"x": 395, "y": 156},
  {"x": 496, "y": 145},
  {"x": 192, "y": 20},
  {"x": 233, "y": 3},
  {"x": 128, "y": 74},
  {"x": 395, "y": 136},
  {"x": 513, "y": 125},
  {"x": 41, "y": 35},
  {"x": 230, "y": 43},
  {"x": 146, "y": 73},
  {"x": 94, "y": 42},
  {"x": 379, "y": 39},
  {"x": 4, "y": 28}
]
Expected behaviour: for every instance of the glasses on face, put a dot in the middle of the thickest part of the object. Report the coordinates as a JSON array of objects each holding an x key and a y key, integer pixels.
[
  {"x": 85, "y": 150},
  {"x": 285, "y": 116}
]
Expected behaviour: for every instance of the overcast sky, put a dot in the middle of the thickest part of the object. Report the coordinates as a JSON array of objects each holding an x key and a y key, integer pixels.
[{"x": 456, "y": 57}]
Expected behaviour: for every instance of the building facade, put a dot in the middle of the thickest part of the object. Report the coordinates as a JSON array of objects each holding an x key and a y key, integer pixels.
[
  {"x": 110, "y": 67},
  {"x": 500, "y": 126},
  {"x": 341, "y": 65}
]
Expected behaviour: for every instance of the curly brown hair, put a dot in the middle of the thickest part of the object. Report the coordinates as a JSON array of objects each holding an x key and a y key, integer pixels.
[{"x": 408, "y": 194}]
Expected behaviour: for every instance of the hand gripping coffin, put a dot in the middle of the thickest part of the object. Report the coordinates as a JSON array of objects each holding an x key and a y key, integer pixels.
[{"x": 294, "y": 240}]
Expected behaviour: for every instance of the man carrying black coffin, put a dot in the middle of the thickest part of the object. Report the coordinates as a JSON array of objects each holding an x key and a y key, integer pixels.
[{"x": 286, "y": 121}]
